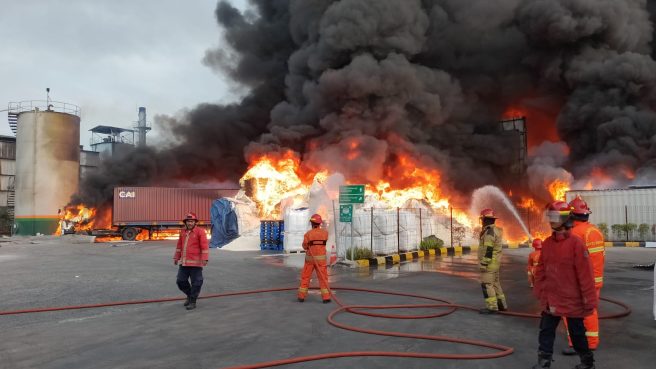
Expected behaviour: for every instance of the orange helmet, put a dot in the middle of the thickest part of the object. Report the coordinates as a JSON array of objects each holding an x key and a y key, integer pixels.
[
  {"x": 190, "y": 216},
  {"x": 537, "y": 244},
  {"x": 487, "y": 213},
  {"x": 579, "y": 206},
  {"x": 316, "y": 219}
]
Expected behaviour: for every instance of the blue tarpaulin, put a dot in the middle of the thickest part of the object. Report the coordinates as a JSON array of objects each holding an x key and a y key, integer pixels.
[{"x": 224, "y": 223}]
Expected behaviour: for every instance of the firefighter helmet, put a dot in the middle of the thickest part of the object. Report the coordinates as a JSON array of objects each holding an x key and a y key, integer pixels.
[
  {"x": 537, "y": 244},
  {"x": 316, "y": 219},
  {"x": 487, "y": 213},
  {"x": 579, "y": 206},
  {"x": 190, "y": 216},
  {"x": 558, "y": 213}
]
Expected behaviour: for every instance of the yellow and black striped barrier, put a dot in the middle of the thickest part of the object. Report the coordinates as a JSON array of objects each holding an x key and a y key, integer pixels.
[{"x": 408, "y": 256}]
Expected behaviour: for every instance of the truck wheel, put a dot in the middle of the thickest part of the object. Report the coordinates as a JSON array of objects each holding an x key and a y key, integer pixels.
[{"x": 130, "y": 234}]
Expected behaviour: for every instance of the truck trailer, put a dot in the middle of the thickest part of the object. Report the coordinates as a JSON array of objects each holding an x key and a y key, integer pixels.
[{"x": 158, "y": 208}]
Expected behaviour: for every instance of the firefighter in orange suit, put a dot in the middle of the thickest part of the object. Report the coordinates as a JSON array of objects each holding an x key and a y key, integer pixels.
[
  {"x": 314, "y": 244},
  {"x": 594, "y": 242},
  {"x": 192, "y": 254},
  {"x": 533, "y": 260}
]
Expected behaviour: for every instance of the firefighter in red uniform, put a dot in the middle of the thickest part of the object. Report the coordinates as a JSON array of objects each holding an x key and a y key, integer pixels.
[
  {"x": 565, "y": 287},
  {"x": 594, "y": 242},
  {"x": 533, "y": 261},
  {"x": 314, "y": 244},
  {"x": 192, "y": 253}
]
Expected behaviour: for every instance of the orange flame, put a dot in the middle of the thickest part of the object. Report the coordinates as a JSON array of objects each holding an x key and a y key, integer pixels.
[
  {"x": 558, "y": 189},
  {"x": 274, "y": 177}
]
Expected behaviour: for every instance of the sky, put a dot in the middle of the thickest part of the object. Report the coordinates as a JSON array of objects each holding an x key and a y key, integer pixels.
[{"x": 110, "y": 56}]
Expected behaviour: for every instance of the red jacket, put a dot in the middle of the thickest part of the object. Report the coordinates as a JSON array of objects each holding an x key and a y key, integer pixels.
[
  {"x": 563, "y": 278},
  {"x": 192, "y": 249}
]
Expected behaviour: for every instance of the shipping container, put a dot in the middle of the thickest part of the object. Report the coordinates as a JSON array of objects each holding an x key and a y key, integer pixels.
[
  {"x": 623, "y": 214},
  {"x": 158, "y": 208}
]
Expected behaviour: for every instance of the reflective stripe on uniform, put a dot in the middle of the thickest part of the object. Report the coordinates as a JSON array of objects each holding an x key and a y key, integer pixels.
[
  {"x": 599, "y": 279},
  {"x": 593, "y": 250},
  {"x": 301, "y": 289},
  {"x": 315, "y": 258},
  {"x": 323, "y": 290},
  {"x": 592, "y": 334}
]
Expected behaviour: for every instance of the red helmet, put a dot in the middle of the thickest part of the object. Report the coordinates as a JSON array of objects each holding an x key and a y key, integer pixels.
[
  {"x": 190, "y": 216},
  {"x": 558, "y": 212},
  {"x": 488, "y": 213},
  {"x": 316, "y": 219},
  {"x": 537, "y": 244},
  {"x": 579, "y": 206}
]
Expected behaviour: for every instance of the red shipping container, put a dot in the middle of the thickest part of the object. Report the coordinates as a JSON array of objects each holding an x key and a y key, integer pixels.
[{"x": 163, "y": 206}]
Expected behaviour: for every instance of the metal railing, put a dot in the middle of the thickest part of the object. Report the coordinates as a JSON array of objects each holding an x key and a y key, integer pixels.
[{"x": 43, "y": 105}]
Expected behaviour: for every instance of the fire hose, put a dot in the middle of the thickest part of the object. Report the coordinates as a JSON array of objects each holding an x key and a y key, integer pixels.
[{"x": 448, "y": 308}]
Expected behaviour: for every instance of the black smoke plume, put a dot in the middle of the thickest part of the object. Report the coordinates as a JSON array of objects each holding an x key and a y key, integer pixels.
[{"x": 357, "y": 85}]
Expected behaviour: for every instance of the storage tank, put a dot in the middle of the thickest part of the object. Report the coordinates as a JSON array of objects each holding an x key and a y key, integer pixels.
[{"x": 47, "y": 167}]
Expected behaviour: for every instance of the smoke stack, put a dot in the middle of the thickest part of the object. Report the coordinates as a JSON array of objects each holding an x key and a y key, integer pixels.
[{"x": 142, "y": 127}]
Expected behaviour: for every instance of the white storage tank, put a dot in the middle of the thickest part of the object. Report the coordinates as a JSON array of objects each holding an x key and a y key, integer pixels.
[
  {"x": 47, "y": 164},
  {"x": 627, "y": 214}
]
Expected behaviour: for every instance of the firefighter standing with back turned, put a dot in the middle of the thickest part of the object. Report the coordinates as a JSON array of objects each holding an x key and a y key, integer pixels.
[
  {"x": 489, "y": 257},
  {"x": 314, "y": 244},
  {"x": 594, "y": 242},
  {"x": 565, "y": 287}
]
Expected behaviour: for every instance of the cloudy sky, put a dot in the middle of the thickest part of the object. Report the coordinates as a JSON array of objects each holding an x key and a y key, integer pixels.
[{"x": 110, "y": 57}]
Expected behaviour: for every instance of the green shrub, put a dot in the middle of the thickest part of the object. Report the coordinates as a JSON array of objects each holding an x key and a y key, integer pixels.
[
  {"x": 618, "y": 230},
  {"x": 603, "y": 227},
  {"x": 630, "y": 228},
  {"x": 431, "y": 243},
  {"x": 643, "y": 231},
  {"x": 357, "y": 253}
]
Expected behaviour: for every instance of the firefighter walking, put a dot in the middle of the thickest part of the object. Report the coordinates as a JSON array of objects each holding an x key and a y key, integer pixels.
[
  {"x": 594, "y": 242},
  {"x": 314, "y": 244},
  {"x": 192, "y": 254},
  {"x": 565, "y": 287},
  {"x": 489, "y": 258},
  {"x": 533, "y": 261}
]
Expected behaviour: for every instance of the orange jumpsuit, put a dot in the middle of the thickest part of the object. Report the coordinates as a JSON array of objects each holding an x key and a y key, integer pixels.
[
  {"x": 533, "y": 262},
  {"x": 594, "y": 241},
  {"x": 314, "y": 243}
]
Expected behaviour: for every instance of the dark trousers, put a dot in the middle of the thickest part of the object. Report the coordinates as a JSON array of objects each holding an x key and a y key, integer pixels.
[
  {"x": 548, "y": 325},
  {"x": 195, "y": 274}
]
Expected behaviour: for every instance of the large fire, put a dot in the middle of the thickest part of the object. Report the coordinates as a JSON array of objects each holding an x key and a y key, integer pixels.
[
  {"x": 558, "y": 189},
  {"x": 271, "y": 179}
]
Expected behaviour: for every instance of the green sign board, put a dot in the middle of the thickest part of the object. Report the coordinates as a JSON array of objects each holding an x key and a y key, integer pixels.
[
  {"x": 352, "y": 194},
  {"x": 346, "y": 213}
]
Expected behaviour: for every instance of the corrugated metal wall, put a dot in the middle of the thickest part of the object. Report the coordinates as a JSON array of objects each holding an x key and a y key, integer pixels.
[
  {"x": 146, "y": 205},
  {"x": 622, "y": 207}
]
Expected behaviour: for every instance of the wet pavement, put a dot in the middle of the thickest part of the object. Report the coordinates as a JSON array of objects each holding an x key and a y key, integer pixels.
[{"x": 248, "y": 329}]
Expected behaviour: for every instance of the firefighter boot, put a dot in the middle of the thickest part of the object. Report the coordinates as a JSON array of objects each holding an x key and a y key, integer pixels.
[
  {"x": 192, "y": 304},
  {"x": 569, "y": 351},
  {"x": 587, "y": 361},
  {"x": 544, "y": 361},
  {"x": 187, "y": 302}
]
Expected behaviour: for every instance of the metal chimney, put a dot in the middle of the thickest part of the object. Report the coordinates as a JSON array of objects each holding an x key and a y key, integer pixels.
[{"x": 142, "y": 127}]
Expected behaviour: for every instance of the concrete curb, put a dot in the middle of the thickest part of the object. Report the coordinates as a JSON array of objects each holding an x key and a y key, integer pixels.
[
  {"x": 625, "y": 244},
  {"x": 406, "y": 256}
]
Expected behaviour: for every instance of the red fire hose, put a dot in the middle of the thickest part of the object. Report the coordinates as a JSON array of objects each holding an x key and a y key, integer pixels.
[{"x": 500, "y": 350}]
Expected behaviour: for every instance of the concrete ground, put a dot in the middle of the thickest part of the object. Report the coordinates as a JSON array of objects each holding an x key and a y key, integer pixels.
[{"x": 248, "y": 329}]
